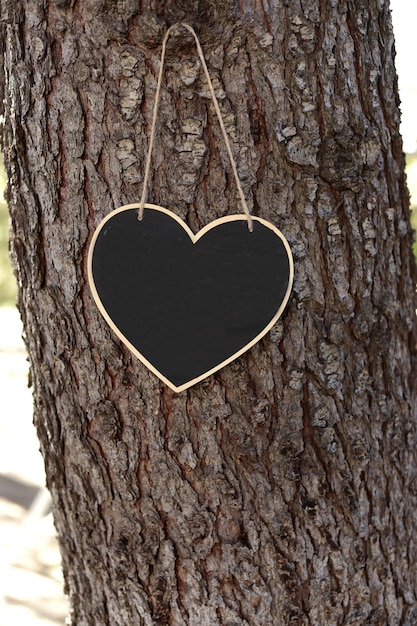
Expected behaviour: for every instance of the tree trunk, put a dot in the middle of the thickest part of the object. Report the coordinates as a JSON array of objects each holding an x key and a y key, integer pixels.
[{"x": 283, "y": 489}]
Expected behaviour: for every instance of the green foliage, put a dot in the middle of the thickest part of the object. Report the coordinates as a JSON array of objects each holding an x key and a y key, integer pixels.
[{"x": 7, "y": 280}]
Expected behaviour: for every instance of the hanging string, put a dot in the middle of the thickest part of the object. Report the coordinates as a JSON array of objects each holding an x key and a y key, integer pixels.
[{"x": 218, "y": 113}]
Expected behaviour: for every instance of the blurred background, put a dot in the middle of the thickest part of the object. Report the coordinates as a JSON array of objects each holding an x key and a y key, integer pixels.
[
  {"x": 30, "y": 568},
  {"x": 30, "y": 573}
]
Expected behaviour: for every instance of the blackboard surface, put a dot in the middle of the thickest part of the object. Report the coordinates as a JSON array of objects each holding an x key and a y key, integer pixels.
[{"x": 185, "y": 304}]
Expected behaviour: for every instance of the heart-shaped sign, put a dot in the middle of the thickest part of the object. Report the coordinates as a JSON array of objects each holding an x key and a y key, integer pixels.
[{"x": 187, "y": 305}]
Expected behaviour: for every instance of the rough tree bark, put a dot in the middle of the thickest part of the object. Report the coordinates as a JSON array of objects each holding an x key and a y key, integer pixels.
[{"x": 283, "y": 489}]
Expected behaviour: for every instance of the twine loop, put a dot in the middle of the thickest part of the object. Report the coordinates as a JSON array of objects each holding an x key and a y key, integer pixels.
[{"x": 219, "y": 116}]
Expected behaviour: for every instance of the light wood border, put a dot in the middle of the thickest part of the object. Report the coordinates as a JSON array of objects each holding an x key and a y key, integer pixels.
[{"x": 194, "y": 238}]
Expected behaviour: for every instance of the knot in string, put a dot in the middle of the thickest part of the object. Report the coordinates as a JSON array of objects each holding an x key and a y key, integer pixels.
[{"x": 219, "y": 116}]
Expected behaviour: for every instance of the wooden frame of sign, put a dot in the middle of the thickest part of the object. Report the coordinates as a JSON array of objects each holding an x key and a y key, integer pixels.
[{"x": 183, "y": 303}]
